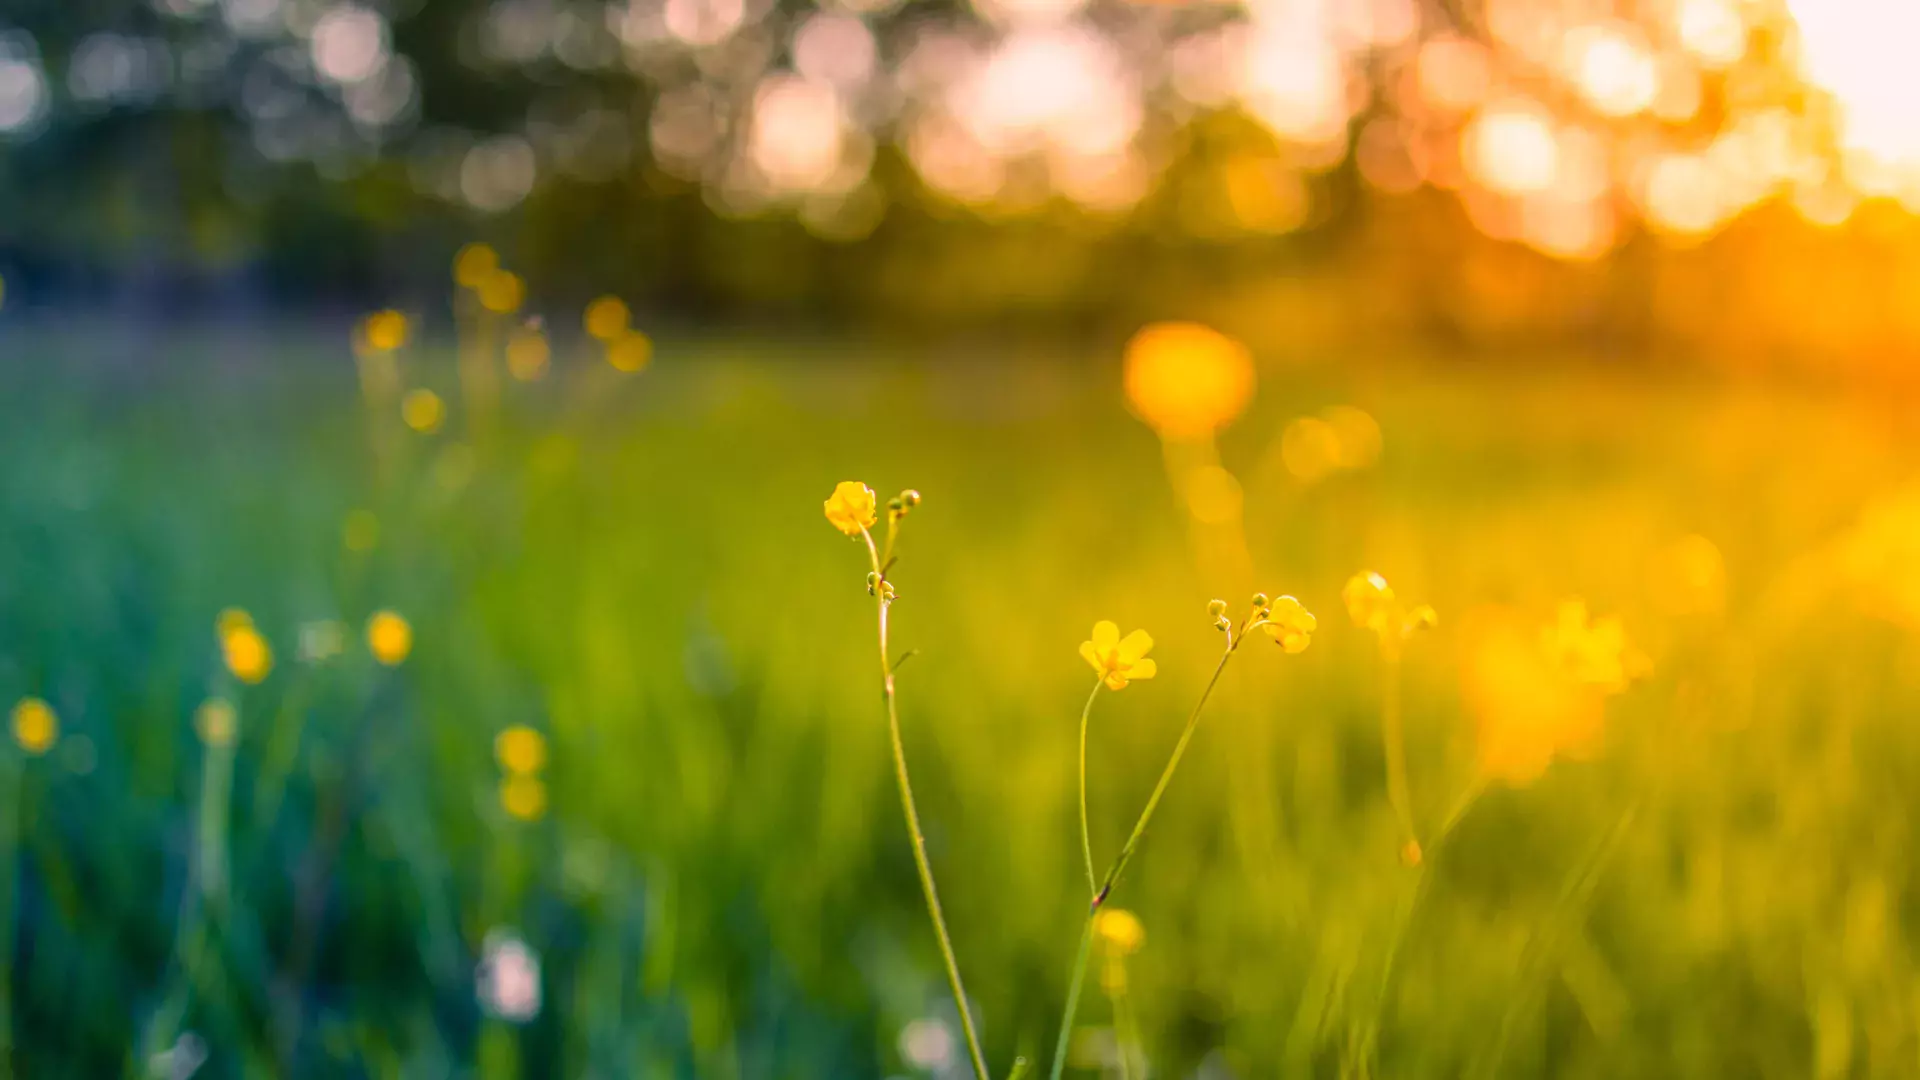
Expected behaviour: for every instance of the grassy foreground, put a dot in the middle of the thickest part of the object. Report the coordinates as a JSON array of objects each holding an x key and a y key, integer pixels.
[{"x": 714, "y": 876}]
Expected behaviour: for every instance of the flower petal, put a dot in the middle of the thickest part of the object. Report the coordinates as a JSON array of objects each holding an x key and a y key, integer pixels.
[
  {"x": 1106, "y": 634},
  {"x": 1143, "y": 669},
  {"x": 1091, "y": 655},
  {"x": 1135, "y": 645}
]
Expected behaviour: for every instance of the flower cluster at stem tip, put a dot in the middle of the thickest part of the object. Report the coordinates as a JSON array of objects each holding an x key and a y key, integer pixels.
[{"x": 1372, "y": 606}]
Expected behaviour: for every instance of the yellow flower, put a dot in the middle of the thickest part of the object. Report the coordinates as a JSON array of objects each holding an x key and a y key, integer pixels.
[
  {"x": 1290, "y": 624},
  {"x": 520, "y": 750},
  {"x": 630, "y": 351},
  {"x": 1120, "y": 930},
  {"x": 1369, "y": 601},
  {"x": 1119, "y": 660},
  {"x": 389, "y": 637},
  {"x": 1592, "y": 653},
  {"x": 216, "y": 722},
  {"x": 503, "y": 292},
  {"x": 528, "y": 353},
  {"x": 474, "y": 265},
  {"x": 422, "y": 410},
  {"x": 247, "y": 654},
  {"x": 384, "y": 331},
  {"x": 1541, "y": 695},
  {"x": 1186, "y": 379},
  {"x": 35, "y": 727},
  {"x": 607, "y": 318},
  {"x": 851, "y": 508},
  {"x": 525, "y": 797}
]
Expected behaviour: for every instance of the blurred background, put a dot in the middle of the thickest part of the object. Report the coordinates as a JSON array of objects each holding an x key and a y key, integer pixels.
[{"x": 424, "y": 655}]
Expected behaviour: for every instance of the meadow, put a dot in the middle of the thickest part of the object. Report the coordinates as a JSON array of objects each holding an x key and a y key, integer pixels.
[{"x": 700, "y": 846}]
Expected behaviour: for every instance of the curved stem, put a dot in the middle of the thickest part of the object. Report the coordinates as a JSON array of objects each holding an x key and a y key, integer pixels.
[
  {"x": 1126, "y": 855},
  {"x": 1073, "y": 997},
  {"x": 1166, "y": 777},
  {"x": 912, "y": 815},
  {"x": 1394, "y": 742},
  {"x": 1086, "y": 839}
]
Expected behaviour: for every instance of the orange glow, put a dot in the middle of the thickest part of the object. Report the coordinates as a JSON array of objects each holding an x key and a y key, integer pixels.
[{"x": 1186, "y": 379}]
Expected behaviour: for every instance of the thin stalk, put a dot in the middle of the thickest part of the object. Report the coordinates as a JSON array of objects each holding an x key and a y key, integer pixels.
[
  {"x": 912, "y": 815},
  {"x": 1126, "y": 1026},
  {"x": 1393, "y": 740},
  {"x": 12, "y": 795},
  {"x": 1133, "y": 842},
  {"x": 1073, "y": 996},
  {"x": 1086, "y": 839}
]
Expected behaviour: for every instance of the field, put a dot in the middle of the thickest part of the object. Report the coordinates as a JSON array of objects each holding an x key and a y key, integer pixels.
[{"x": 710, "y": 866}]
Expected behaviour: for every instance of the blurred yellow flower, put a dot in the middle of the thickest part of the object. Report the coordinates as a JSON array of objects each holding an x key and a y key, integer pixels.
[
  {"x": 851, "y": 507},
  {"x": 389, "y": 637},
  {"x": 1540, "y": 695},
  {"x": 1186, "y": 379},
  {"x": 630, "y": 351},
  {"x": 1593, "y": 653},
  {"x": 474, "y": 265},
  {"x": 422, "y": 410},
  {"x": 607, "y": 319},
  {"x": 246, "y": 653},
  {"x": 216, "y": 722},
  {"x": 1120, "y": 930},
  {"x": 527, "y": 354},
  {"x": 502, "y": 292},
  {"x": 1119, "y": 660},
  {"x": 1290, "y": 624},
  {"x": 1369, "y": 601},
  {"x": 1372, "y": 606},
  {"x": 384, "y": 331},
  {"x": 1688, "y": 577},
  {"x": 525, "y": 797},
  {"x": 520, "y": 750},
  {"x": 35, "y": 727}
]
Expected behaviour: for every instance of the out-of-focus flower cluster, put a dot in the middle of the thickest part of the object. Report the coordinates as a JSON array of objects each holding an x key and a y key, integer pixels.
[{"x": 1554, "y": 122}]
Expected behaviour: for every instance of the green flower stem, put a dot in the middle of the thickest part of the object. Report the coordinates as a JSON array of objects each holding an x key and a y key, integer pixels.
[
  {"x": 1133, "y": 842},
  {"x": 912, "y": 815},
  {"x": 1393, "y": 741},
  {"x": 1073, "y": 995},
  {"x": 1086, "y": 840}
]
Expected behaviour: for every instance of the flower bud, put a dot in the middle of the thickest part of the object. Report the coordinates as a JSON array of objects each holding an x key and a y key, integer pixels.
[
  {"x": 1216, "y": 608},
  {"x": 910, "y": 498},
  {"x": 896, "y": 507},
  {"x": 1260, "y": 601},
  {"x": 873, "y": 581}
]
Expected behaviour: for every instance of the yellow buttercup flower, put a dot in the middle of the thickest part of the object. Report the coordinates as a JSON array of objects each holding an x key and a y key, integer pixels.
[
  {"x": 607, "y": 318},
  {"x": 503, "y": 292},
  {"x": 1593, "y": 653},
  {"x": 1120, "y": 929},
  {"x": 520, "y": 750},
  {"x": 630, "y": 351},
  {"x": 1119, "y": 660},
  {"x": 852, "y": 507},
  {"x": 525, "y": 797},
  {"x": 422, "y": 410},
  {"x": 1290, "y": 624},
  {"x": 389, "y": 637},
  {"x": 246, "y": 653},
  {"x": 384, "y": 331},
  {"x": 474, "y": 264},
  {"x": 216, "y": 722},
  {"x": 1369, "y": 601},
  {"x": 1372, "y": 605},
  {"x": 35, "y": 727},
  {"x": 1186, "y": 379}
]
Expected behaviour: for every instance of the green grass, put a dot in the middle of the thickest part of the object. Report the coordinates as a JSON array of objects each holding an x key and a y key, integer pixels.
[{"x": 722, "y": 886}]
